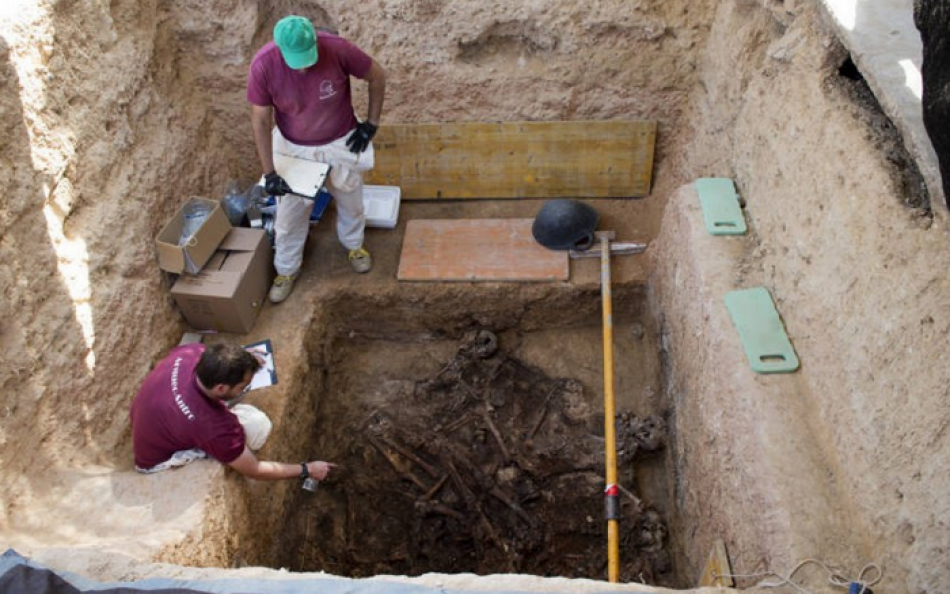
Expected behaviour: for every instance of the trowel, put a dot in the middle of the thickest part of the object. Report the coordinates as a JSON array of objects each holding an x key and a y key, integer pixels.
[{"x": 618, "y": 248}]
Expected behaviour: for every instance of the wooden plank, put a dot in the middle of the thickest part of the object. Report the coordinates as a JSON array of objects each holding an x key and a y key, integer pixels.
[
  {"x": 717, "y": 571},
  {"x": 586, "y": 159},
  {"x": 477, "y": 250}
]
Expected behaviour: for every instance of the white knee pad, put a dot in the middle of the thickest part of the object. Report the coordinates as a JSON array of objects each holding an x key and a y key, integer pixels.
[{"x": 256, "y": 425}]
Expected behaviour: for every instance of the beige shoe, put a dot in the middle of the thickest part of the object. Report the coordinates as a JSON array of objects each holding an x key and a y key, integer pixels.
[
  {"x": 360, "y": 260},
  {"x": 281, "y": 288}
]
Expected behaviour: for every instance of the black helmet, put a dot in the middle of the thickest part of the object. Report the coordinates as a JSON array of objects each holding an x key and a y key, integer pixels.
[{"x": 565, "y": 225}]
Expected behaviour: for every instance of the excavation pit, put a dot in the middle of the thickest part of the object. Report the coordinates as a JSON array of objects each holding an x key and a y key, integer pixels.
[
  {"x": 476, "y": 444},
  {"x": 117, "y": 111}
]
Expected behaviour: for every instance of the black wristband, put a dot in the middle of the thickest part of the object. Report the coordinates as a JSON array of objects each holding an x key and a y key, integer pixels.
[{"x": 304, "y": 471}]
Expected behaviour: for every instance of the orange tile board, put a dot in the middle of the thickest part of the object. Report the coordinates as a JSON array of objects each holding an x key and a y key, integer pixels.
[{"x": 477, "y": 250}]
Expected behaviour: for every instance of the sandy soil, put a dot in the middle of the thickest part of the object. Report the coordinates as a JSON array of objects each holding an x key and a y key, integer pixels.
[{"x": 123, "y": 110}]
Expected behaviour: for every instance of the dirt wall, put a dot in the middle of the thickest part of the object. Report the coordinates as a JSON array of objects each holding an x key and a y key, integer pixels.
[{"x": 859, "y": 433}]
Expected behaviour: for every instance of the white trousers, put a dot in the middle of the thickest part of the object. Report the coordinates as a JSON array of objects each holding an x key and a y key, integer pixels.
[
  {"x": 345, "y": 183},
  {"x": 256, "y": 426}
]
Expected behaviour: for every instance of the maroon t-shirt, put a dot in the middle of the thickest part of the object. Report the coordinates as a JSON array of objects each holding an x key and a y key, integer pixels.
[
  {"x": 170, "y": 413},
  {"x": 314, "y": 106}
]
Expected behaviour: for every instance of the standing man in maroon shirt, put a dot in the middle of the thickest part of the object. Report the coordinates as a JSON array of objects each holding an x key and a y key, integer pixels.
[
  {"x": 181, "y": 414},
  {"x": 301, "y": 82}
]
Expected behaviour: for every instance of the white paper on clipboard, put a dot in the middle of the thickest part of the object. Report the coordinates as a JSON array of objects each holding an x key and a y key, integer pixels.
[
  {"x": 305, "y": 177},
  {"x": 267, "y": 374}
]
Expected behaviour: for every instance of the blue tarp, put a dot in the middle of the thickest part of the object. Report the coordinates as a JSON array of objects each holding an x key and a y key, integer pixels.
[{"x": 20, "y": 575}]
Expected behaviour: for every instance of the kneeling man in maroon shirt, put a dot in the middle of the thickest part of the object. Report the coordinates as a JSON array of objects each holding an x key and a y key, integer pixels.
[{"x": 181, "y": 413}]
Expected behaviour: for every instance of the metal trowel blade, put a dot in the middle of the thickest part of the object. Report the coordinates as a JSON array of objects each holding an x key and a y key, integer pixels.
[{"x": 617, "y": 248}]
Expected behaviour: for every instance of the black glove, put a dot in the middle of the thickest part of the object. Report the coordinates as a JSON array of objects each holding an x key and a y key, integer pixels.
[
  {"x": 275, "y": 185},
  {"x": 359, "y": 139}
]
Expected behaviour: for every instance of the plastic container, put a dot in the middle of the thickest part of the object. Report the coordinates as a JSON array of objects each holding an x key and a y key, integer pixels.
[
  {"x": 381, "y": 206},
  {"x": 195, "y": 213},
  {"x": 235, "y": 204}
]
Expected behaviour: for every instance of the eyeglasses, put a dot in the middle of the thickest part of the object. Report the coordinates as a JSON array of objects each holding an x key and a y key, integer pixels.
[{"x": 230, "y": 402}]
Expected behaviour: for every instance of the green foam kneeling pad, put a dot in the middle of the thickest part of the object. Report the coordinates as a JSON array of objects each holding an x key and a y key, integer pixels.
[
  {"x": 722, "y": 213},
  {"x": 761, "y": 331}
]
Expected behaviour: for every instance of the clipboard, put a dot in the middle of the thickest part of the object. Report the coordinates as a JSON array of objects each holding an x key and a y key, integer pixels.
[
  {"x": 267, "y": 374},
  {"x": 304, "y": 176}
]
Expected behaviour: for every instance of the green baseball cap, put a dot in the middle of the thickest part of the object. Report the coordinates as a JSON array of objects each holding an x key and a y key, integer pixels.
[{"x": 295, "y": 37}]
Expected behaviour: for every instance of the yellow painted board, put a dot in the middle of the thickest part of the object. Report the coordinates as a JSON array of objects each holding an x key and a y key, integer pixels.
[
  {"x": 717, "y": 571},
  {"x": 581, "y": 159}
]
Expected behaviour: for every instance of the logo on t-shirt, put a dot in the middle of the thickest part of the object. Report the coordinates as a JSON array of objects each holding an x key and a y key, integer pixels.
[
  {"x": 326, "y": 90},
  {"x": 178, "y": 399}
]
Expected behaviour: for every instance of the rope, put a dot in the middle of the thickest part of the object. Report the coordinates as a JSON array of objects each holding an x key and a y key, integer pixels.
[{"x": 834, "y": 579}]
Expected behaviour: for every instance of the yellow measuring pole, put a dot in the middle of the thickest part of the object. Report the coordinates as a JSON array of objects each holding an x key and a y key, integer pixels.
[{"x": 611, "y": 491}]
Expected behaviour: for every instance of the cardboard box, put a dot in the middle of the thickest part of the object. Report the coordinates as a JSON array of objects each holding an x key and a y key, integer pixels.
[
  {"x": 230, "y": 290},
  {"x": 192, "y": 257}
]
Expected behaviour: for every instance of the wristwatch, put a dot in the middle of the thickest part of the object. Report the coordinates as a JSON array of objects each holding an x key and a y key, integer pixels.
[{"x": 304, "y": 471}]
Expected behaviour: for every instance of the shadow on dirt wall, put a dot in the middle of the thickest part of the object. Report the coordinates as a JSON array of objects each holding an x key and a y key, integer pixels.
[
  {"x": 40, "y": 336},
  {"x": 116, "y": 173}
]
